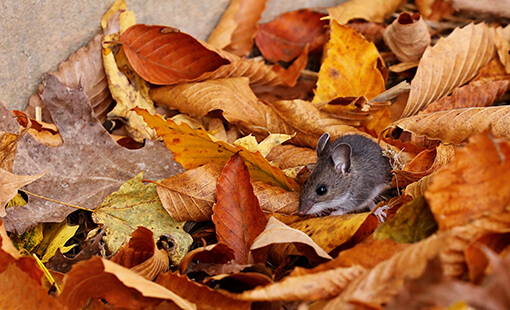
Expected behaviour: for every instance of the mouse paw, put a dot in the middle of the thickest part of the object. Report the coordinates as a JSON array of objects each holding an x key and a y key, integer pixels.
[{"x": 380, "y": 213}]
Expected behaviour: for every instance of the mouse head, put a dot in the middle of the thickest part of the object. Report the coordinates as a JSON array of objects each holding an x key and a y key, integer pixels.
[{"x": 328, "y": 185}]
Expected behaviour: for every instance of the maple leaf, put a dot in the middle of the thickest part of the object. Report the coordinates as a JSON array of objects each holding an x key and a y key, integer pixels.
[
  {"x": 237, "y": 215},
  {"x": 85, "y": 169}
]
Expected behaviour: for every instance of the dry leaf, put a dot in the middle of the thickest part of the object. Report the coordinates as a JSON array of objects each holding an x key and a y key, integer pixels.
[
  {"x": 9, "y": 185},
  {"x": 141, "y": 255},
  {"x": 286, "y": 37},
  {"x": 276, "y": 199},
  {"x": 193, "y": 148},
  {"x": 456, "y": 126},
  {"x": 218, "y": 253},
  {"x": 372, "y": 10},
  {"x": 407, "y": 37},
  {"x": 289, "y": 156},
  {"x": 237, "y": 27},
  {"x": 473, "y": 184},
  {"x": 453, "y": 61},
  {"x": 351, "y": 67},
  {"x": 237, "y": 215},
  {"x": 42, "y": 132},
  {"x": 498, "y": 8},
  {"x": 435, "y": 9},
  {"x": 85, "y": 169}
]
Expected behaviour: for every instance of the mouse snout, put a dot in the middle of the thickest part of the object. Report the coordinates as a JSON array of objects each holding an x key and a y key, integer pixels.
[{"x": 305, "y": 206}]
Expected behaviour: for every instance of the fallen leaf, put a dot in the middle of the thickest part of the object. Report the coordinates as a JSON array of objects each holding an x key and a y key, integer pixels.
[
  {"x": 83, "y": 171},
  {"x": 451, "y": 62},
  {"x": 473, "y": 184},
  {"x": 276, "y": 199},
  {"x": 407, "y": 37},
  {"x": 372, "y": 10},
  {"x": 435, "y": 9},
  {"x": 137, "y": 204},
  {"x": 218, "y": 253},
  {"x": 286, "y": 37},
  {"x": 8, "y": 141},
  {"x": 29, "y": 240},
  {"x": 265, "y": 146},
  {"x": 55, "y": 236},
  {"x": 141, "y": 255},
  {"x": 203, "y": 296},
  {"x": 42, "y": 132},
  {"x": 237, "y": 27},
  {"x": 457, "y": 126},
  {"x": 289, "y": 156},
  {"x": 498, "y": 9},
  {"x": 237, "y": 215},
  {"x": 120, "y": 287},
  {"x": 9, "y": 185},
  {"x": 413, "y": 222},
  {"x": 193, "y": 148},
  {"x": 350, "y": 67}
]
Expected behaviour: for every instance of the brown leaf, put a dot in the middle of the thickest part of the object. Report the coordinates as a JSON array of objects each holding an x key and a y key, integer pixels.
[
  {"x": 276, "y": 199},
  {"x": 42, "y": 132},
  {"x": 199, "y": 294},
  {"x": 488, "y": 7},
  {"x": 321, "y": 285},
  {"x": 219, "y": 253},
  {"x": 8, "y": 144},
  {"x": 290, "y": 156},
  {"x": 237, "y": 215},
  {"x": 9, "y": 185},
  {"x": 435, "y": 9},
  {"x": 286, "y": 37},
  {"x": 141, "y": 255},
  {"x": 407, "y": 37},
  {"x": 277, "y": 233},
  {"x": 119, "y": 287},
  {"x": 456, "y": 126},
  {"x": 85, "y": 169},
  {"x": 473, "y": 184},
  {"x": 372, "y": 10},
  {"x": 237, "y": 27},
  {"x": 453, "y": 61}
]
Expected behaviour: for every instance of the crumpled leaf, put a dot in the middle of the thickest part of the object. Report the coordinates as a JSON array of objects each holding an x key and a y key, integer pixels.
[
  {"x": 42, "y": 132},
  {"x": 321, "y": 285},
  {"x": 237, "y": 215},
  {"x": 165, "y": 56},
  {"x": 141, "y": 255},
  {"x": 456, "y": 126},
  {"x": 203, "y": 296},
  {"x": 407, "y": 37},
  {"x": 103, "y": 164},
  {"x": 286, "y": 37},
  {"x": 473, "y": 184},
  {"x": 372, "y": 10},
  {"x": 276, "y": 232},
  {"x": 120, "y": 287},
  {"x": 451, "y": 62},
  {"x": 237, "y": 27},
  {"x": 137, "y": 204},
  {"x": 232, "y": 96},
  {"x": 9, "y": 185},
  {"x": 351, "y": 67},
  {"x": 193, "y": 148},
  {"x": 413, "y": 222}
]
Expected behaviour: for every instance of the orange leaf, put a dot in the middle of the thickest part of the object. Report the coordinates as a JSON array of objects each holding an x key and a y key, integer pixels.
[
  {"x": 371, "y": 10},
  {"x": 286, "y": 37},
  {"x": 276, "y": 199},
  {"x": 218, "y": 253},
  {"x": 237, "y": 27},
  {"x": 237, "y": 215},
  {"x": 473, "y": 184},
  {"x": 193, "y": 148},
  {"x": 350, "y": 67}
]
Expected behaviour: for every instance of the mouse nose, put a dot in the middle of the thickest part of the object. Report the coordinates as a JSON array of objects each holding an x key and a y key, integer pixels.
[{"x": 305, "y": 206}]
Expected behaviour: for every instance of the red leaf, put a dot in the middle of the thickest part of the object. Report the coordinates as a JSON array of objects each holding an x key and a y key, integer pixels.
[
  {"x": 286, "y": 37},
  {"x": 163, "y": 55},
  {"x": 237, "y": 214}
]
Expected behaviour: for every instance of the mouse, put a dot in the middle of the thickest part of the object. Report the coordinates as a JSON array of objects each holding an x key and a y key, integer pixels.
[{"x": 350, "y": 173}]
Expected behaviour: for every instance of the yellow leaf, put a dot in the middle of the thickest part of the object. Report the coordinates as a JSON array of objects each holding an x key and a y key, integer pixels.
[
  {"x": 117, "y": 6},
  {"x": 265, "y": 146},
  {"x": 55, "y": 236},
  {"x": 350, "y": 68},
  {"x": 370, "y": 10},
  {"x": 29, "y": 240},
  {"x": 193, "y": 148}
]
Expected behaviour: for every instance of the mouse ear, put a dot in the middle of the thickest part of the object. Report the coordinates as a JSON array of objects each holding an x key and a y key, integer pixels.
[
  {"x": 321, "y": 145},
  {"x": 341, "y": 157}
]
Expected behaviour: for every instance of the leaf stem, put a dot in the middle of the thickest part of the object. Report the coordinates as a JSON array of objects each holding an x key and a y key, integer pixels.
[{"x": 56, "y": 201}]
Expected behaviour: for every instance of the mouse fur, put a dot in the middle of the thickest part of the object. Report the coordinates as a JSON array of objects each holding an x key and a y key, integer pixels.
[{"x": 350, "y": 173}]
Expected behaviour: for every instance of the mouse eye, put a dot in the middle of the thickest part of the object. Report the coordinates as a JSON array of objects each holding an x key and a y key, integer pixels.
[{"x": 321, "y": 190}]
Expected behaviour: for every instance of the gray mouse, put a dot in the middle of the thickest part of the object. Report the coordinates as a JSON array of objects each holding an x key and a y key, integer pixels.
[{"x": 350, "y": 173}]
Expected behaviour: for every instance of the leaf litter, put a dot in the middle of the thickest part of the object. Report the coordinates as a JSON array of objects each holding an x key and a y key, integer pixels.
[{"x": 129, "y": 228}]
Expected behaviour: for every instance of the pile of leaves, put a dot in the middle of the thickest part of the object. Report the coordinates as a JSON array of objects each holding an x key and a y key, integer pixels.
[{"x": 155, "y": 170}]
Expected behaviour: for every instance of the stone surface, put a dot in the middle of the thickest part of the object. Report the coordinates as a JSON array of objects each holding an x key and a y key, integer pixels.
[{"x": 37, "y": 35}]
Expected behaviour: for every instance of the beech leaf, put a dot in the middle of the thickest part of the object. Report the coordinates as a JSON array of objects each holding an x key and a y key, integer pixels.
[{"x": 237, "y": 215}]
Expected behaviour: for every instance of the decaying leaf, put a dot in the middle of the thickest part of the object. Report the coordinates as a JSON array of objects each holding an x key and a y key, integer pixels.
[
  {"x": 373, "y": 10},
  {"x": 237, "y": 215},
  {"x": 473, "y": 184},
  {"x": 453, "y": 61},
  {"x": 85, "y": 169},
  {"x": 237, "y": 27},
  {"x": 193, "y": 148},
  {"x": 456, "y": 126},
  {"x": 351, "y": 67}
]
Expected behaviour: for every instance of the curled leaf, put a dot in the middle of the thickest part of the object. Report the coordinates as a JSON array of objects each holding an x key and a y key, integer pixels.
[{"x": 407, "y": 37}]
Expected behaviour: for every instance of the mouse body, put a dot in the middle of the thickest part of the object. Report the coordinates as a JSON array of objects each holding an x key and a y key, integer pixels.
[{"x": 350, "y": 173}]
